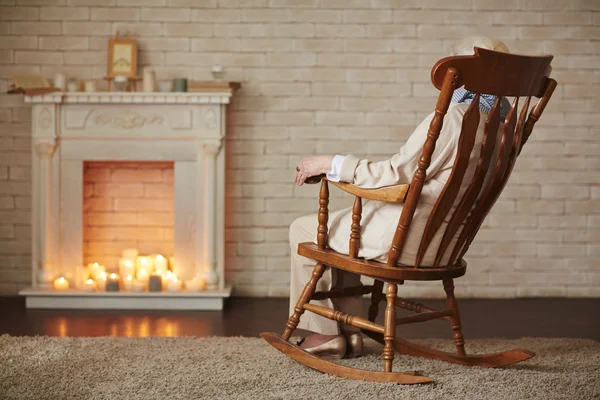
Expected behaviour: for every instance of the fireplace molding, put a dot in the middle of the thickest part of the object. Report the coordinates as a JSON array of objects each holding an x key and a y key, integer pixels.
[{"x": 71, "y": 128}]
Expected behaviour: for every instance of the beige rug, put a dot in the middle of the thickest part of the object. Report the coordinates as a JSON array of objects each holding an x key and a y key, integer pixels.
[{"x": 248, "y": 368}]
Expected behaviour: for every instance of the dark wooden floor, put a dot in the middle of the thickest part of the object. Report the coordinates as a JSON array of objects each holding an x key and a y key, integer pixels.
[{"x": 250, "y": 316}]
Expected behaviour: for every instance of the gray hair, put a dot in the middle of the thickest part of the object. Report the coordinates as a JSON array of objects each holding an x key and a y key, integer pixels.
[{"x": 464, "y": 47}]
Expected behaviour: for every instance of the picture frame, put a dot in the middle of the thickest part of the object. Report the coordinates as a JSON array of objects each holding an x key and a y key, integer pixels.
[{"x": 122, "y": 57}]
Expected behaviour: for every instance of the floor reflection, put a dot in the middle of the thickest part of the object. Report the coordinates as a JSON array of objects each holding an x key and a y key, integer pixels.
[
  {"x": 62, "y": 326},
  {"x": 129, "y": 325}
]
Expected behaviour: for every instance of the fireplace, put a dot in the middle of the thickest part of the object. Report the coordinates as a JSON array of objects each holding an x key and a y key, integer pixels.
[{"x": 178, "y": 139}]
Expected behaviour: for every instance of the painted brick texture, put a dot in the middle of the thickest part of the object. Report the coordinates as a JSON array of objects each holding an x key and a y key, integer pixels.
[
  {"x": 331, "y": 76},
  {"x": 127, "y": 205}
]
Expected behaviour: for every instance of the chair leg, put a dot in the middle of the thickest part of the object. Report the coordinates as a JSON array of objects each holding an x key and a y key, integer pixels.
[
  {"x": 455, "y": 317},
  {"x": 376, "y": 296},
  {"x": 389, "y": 328},
  {"x": 304, "y": 298}
]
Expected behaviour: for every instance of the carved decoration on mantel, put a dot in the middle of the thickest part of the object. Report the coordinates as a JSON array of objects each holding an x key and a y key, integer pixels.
[
  {"x": 210, "y": 119},
  {"x": 45, "y": 147},
  {"x": 128, "y": 120},
  {"x": 211, "y": 148},
  {"x": 45, "y": 118}
]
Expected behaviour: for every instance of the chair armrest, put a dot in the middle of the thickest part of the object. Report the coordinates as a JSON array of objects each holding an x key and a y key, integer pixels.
[{"x": 388, "y": 194}]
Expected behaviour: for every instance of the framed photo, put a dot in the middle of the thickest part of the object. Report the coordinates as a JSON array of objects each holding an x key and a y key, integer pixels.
[{"x": 122, "y": 57}]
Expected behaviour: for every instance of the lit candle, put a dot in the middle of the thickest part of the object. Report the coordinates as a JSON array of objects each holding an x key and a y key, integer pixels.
[
  {"x": 138, "y": 286},
  {"x": 61, "y": 283},
  {"x": 161, "y": 264},
  {"x": 95, "y": 270},
  {"x": 173, "y": 285},
  {"x": 155, "y": 282},
  {"x": 145, "y": 262},
  {"x": 112, "y": 284},
  {"x": 101, "y": 282},
  {"x": 142, "y": 274},
  {"x": 89, "y": 286},
  {"x": 195, "y": 284},
  {"x": 126, "y": 266},
  {"x": 128, "y": 282}
]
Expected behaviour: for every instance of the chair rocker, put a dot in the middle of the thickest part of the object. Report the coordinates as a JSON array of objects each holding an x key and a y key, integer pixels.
[{"x": 489, "y": 72}]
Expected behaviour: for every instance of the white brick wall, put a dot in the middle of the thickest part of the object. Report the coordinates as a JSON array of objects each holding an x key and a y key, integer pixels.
[{"x": 322, "y": 76}]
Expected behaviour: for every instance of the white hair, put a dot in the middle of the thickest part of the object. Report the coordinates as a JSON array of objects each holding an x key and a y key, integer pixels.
[{"x": 464, "y": 47}]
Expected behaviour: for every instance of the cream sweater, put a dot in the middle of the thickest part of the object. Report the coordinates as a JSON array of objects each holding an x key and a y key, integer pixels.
[{"x": 379, "y": 220}]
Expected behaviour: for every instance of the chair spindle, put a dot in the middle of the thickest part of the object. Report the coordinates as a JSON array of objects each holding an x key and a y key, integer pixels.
[
  {"x": 323, "y": 215},
  {"x": 355, "y": 228}
]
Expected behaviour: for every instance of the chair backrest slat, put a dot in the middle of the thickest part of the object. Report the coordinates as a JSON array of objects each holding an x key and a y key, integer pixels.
[
  {"x": 492, "y": 191},
  {"x": 448, "y": 195},
  {"x": 514, "y": 152},
  {"x": 488, "y": 144}
]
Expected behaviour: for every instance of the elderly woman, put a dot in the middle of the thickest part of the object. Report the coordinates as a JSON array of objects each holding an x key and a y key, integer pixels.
[{"x": 379, "y": 220}]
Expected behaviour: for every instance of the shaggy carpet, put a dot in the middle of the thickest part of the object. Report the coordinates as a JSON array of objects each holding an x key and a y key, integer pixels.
[{"x": 248, "y": 368}]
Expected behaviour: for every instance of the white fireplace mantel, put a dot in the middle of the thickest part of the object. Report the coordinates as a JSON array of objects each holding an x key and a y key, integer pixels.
[{"x": 71, "y": 128}]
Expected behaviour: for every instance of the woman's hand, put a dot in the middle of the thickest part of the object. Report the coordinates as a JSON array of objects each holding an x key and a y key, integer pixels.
[{"x": 312, "y": 166}]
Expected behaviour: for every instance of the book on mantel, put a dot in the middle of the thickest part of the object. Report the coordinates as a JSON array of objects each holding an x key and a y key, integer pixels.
[
  {"x": 30, "y": 85},
  {"x": 213, "y": 86}
]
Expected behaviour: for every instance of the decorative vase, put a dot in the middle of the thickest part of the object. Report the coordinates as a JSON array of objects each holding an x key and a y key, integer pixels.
[
  {"x": 217, "y": 72},
  {"x": 120, "y": 82}
]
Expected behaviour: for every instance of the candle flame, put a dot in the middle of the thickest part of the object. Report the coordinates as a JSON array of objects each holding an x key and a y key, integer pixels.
[
  {"x": 113, "y": 276},
  {"x": 128, "y": 263},
  {"x": 61, "y": 279},
  {"x": 175, "y": 279},
  {"x": 103, "y": 275},
  {"x": 160, "y": 257},
  {"x": 89, "y": 281},
  {"x": 129, "y": 277}
]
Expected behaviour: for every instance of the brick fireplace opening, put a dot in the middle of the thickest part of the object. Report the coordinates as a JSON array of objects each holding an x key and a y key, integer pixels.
[{"x": 127, "y": 205}]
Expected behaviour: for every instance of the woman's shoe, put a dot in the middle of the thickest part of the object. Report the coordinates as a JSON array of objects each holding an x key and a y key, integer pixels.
[
  {"x": 334, "y": 349},
  {"x": 354, "y": 345}
]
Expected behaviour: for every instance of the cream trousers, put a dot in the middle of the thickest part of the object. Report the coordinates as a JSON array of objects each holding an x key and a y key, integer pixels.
[{"x": 304, "y": 229}]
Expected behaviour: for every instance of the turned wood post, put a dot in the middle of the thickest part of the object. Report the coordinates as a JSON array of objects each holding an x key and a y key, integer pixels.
[
  {"x": 455, "y": 317},
  {"x": 323, "y": 215},
  {"x": 418, "y": 179},
  {"x": 307, "y": 292},
  {"x": 389, "y": 327},
  {"x": 355, "y": 228},
  {"x": 537, "y": 111}
]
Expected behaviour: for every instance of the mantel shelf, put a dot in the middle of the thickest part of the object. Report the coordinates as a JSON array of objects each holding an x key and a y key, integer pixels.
[
  {"x": 78, "y": 299},
  {"x": 130, "y": 98}
]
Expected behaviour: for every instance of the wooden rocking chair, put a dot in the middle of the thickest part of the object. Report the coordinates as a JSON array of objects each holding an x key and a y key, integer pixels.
[{"x": 489, "y": 72}]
